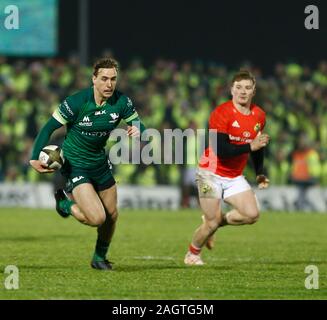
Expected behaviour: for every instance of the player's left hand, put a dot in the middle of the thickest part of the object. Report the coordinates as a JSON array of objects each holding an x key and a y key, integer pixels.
[
  {"x": 262, "y": 181},
  {"x": 133, "y": 131}
]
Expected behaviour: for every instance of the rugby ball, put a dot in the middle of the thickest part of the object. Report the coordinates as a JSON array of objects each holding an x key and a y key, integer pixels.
[{"x": 52, "y": 157}]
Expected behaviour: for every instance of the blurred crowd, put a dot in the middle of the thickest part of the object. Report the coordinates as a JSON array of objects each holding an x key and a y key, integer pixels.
[{"x": 168, "y": 94}]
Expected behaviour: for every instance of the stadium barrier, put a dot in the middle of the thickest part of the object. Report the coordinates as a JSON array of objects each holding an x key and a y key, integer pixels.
[
  {"x": 285, "y": 198},
  {"x": 26, "y": 195},
  {"x": 276, "y": 198},
  {"x": 41, "y": 196}
]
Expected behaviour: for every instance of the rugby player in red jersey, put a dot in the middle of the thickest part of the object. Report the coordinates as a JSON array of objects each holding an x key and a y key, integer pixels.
[{"x": 235, "y": 131}]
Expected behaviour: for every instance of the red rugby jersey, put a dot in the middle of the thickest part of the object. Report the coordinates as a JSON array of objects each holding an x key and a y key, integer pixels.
[{"x": 240, "y": 128}]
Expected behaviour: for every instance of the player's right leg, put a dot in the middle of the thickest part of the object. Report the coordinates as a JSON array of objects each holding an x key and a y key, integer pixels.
[
  {"x": 88, "y": 207},
  {"x": 85, "y": 206},
  {"x": 210, "y": 203},
  {"x": 211, "y": 239},
  {"x": 211, "y": 209}
]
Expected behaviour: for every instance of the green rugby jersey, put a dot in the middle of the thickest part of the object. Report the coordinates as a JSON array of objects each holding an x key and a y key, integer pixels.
[{"x": 89, "y": 125}]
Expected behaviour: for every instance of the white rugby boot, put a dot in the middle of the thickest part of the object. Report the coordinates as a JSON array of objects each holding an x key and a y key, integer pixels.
[{"x": 193, "y": 259}]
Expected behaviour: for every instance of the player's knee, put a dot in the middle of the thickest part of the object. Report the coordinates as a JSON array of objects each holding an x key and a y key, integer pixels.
[
  {"x": 113, "y": 215},
  {"x": 96, "y": 221},
  {"x": 253, "y": 216}
]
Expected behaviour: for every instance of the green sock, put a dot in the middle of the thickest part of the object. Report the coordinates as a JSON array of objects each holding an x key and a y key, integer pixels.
[
  {"x": 101, "y": 250},
  {"x": 65, "y": 205}
]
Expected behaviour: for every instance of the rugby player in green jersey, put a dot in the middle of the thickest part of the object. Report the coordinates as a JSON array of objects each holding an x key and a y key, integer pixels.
[{"x": 90, "y": 115}]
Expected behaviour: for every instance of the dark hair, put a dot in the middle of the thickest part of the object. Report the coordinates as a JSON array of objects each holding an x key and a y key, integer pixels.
[
  {"x": 243, "y": 75},
  {"x": 107, "y": 63}
]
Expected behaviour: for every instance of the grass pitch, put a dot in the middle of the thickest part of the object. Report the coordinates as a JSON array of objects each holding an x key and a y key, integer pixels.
[{"x": 266, "y": 260}]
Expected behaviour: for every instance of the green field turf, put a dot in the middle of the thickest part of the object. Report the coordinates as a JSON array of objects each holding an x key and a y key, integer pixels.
[{"x": 261, "y": 261}]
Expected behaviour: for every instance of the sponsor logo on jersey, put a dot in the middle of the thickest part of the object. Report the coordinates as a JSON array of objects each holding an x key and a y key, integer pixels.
[
  {"x": 99, "y": 113},
  {"x": 98, "y": 134},
  {"x": 240, "y": 139},
  {"x": 67, "y": 107},
  {"x": 246, "y": 134},
  {"x": 64, "y": 115},
  {"x": 114, "y": 117},
  {"x": 236, "y": 124},
  {"x": 257, "y": 127},
  {"x": 86, "y": 122},
  {"x": 129, "y": 102},
  {"x": 77, "y": 179}
]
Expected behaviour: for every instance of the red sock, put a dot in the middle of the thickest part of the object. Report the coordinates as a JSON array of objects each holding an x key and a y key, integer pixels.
[{"x": 194, "y": 249}]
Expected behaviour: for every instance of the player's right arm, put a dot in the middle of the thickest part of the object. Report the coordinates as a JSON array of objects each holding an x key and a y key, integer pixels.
[
  {"x": 66, "y": 112},
  {"x": 40, "y": 142}
]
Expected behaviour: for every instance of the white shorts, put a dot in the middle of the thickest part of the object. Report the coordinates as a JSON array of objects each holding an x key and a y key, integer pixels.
[{"x": 211, "y": 185}]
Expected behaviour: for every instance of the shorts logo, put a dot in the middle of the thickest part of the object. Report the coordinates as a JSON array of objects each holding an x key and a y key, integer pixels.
[
  {"x": 205, "y": 188},
  {"x": 76, "y": 179}
]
